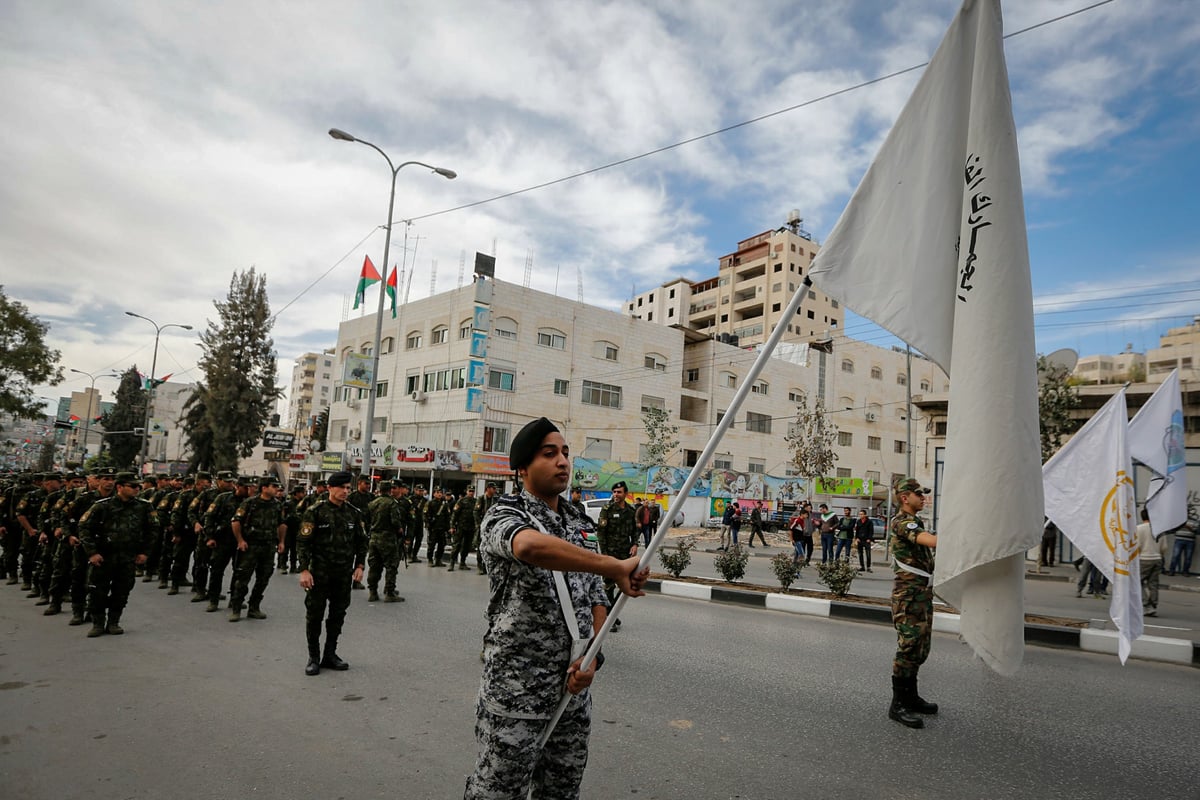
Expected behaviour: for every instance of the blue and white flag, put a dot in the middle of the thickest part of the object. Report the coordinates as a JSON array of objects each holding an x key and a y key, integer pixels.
[{"x": 1156, "y": 440}]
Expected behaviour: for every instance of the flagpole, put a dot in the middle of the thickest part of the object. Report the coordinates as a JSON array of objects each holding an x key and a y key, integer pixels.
[
  {"x": 764, "y": 354},
  {"x": 151, "y": 386}
]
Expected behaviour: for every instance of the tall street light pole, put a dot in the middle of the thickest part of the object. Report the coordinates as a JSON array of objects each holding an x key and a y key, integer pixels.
[
  {"x": 87, "y": 420},
  {"x": 158, "y": 329},
  {"x": 369, "y": 424}
]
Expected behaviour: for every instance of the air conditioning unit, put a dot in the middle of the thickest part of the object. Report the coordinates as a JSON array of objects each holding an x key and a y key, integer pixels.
[
  {"x": 354, "y": 434},
  {"x": 417, "y": 397},
  {"x": 872, "y": 416}
]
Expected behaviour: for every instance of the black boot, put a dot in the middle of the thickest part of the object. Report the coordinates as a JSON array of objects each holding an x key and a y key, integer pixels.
[
  {"x": 373, "y": 597},
  {"x": 914, "y": 702},
  {"x": 114, "y": 624},
  {"x": 55, "y": 608},
  {"x": 97, "y": 626},
  {"x": 76, "y": 615},
  {"x": 331, "y": 660},
  {"x": 314, "y": 655},
  {"x": 897, "y": 710}
]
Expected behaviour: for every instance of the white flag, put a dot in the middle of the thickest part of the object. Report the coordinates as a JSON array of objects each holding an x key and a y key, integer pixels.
[
  {"x": 1090, "y": 497},
  {"x": 1156, "y": 440},
  {"x": 932, "y": 247}
]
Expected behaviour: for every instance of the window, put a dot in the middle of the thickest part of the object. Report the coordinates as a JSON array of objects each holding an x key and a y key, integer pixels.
[
  {"x": 795, "y": 396},
  {"x": 601, "y": 394},
  {"x": 873, "y": 442},
  {"x": 464, "y": 329},
  {"x": 440, "y": 335},
  {"x": 505, "y": 328},
  {"x": 649, "y": 402},
  {"x": 777, "y": 287},
  {"x": 833, "y": 302},
  {"x": 811, "y": 314},
  {"x": 650, "y": 316},
  {"x": 655, "y": 361},
  {"x": 876, "y": 373},
  {"x": 722, "y": 463},
  {"x": 443, "y": 380},
  {"x": 610, "y": 352},
  {"x": 386, "y": 345},
  {"x": 365, "y": 349},
  {"x": 560, "y": 386},
  {"x": 873, "y": 475},
  {"x": 412, "y": 383},
  {"x": 900, "y": 446},
  {"x": 843, "y": 472},
  {"x": 728, "y": 380},
  {"x": 757, "y": 466},
  {"x": 671, "y": 296},
  {"x": 381, "y": 389},
  {"x": 346, "y": 352},
  {"x": 847, "y": 366},
  {"x": 552, "y": 338},
  {"x": 901, "y": 379},
  {"x": 845, "y": 438},
  {"x": 670, "y": 313},
  {"x": 939, "y": 428},
  {"x": 776, "y": 306},
  {"x": 760, "y": 387},
  {"x": 758, "y": 423},
  {"x": 925, "y": 387},
  {"x": 499, "y": 379},
  {"x": 690, "y": 457},
  {"x": 691, "y": 375},
  {"x": 495, "y": 440},
  {"x": 413, "y": 341},
  {"x": 847, "y": 402},
  {"x": 600, "y": 449}
]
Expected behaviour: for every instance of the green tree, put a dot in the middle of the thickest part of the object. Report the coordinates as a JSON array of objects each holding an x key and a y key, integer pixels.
[
  {"x": 238, "y": 362},
  {"x": 810, "y": 438},
  {"x": 1057, "y": 398},
  {"x": 127, "y": 416},
  {"x": 197, "y": 431},
  {"x": 662, "y": 438},
  {"x": 25, "y": 360}
]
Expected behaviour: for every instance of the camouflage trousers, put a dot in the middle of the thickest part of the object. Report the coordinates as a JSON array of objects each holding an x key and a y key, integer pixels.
[
  {"x": 331, "y": 587},
  {"x": 70, "y": 574},
  {"x": 47, "y": 550},
  {"x": 219, "y": 558},
  {"x": 510, "y": 764},
  {"x": 912, "y": 616},
  {"x": 203, "y": 555},
  {"x": 383, "y": 560},
  {"x": 109, "y": 584},
  {"x": 257, "y": 561},
  {"x": 460, "y": 545},
  {"x": 436, "y": 548},
  {"x": 182, "y": 555}
]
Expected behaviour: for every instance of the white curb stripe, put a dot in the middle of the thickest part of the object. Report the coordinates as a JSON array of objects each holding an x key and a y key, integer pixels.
[
  {"x": 696, "y": 591},
  {"x": 1158, "y": 648},
  {"x": 813, "y": 606}
]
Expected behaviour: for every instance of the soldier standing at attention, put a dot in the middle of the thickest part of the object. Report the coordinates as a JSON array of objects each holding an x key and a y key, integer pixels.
[
  {"x": 219, "y": 539},
  {"x": 259, "y": 529},
  {"x": 481, "y": 508},
  {"x": 462, "y": 529},
  {"x": 416, "y": 526},
  {"x": 437, "y": 516},
  {"x": 404, "y": 503},
  {"x": 163, "y": 507},
  {"x": 332, "y": 551},
  {"x": 386, "y": 522},
  {"x": 116, "y": 533},
  {"x": 291, "y": 518},
  {"x": 616, "y": 534},
  {"x": 27, "y": 518},
  {"x": 912, "y": 603},
  {"x": 361, "y": 499},
  {"x": 154, "y": 496},
  {"x": 196, "y": 512},
  {"x": 538, "y": 625},
  {"x": 184, "y": 535}
]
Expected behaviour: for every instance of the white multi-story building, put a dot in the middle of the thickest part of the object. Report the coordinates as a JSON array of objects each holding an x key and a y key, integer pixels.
[
  {"x": 462, "y": 371},
  {"x": 311, "y": 390}
]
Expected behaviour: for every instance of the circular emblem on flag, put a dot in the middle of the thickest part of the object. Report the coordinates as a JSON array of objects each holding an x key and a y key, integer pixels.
[{"x": 1117, "y": 523}]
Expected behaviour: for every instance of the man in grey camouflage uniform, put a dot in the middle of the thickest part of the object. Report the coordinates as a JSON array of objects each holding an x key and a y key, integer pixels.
[{"x": 529, "y": 647}]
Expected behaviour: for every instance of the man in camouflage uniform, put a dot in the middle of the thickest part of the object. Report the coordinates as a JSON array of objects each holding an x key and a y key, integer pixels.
[
  {"x": 437, "y": 517},
  {"x": 462, "y": 529},
  {"x": 361, "y": 499},
  {"x": 14, "y": 534},
  {"x": 616, "y": 534},
  {"x": 531, "y": 643},
  {"x": 259, "y": 529},
  {"x": 53, "y": 522},
  {"x": 219, "y": 538},
  {"x": 912, "y": 602},
  {"x": 319, "y": 493},
  {"x": 70, "y": 572},
  {"x": 184, "y": 533},
  {"x": 203, "y": 553},
  {"x": 116, "y": 533},
  {"x": 48, "y": 529},
  {"x": 405, "y": 504},
  {"x": 169, "y": 534},
  {"x": 482, "y": 506},
  {"x": 332, "y": 551},
  {"x": 291, "y": 518},
  {"x": 154, "y": 498},
  {"x": 27, "y": 520},
  {"x": 386, "y": 524},
  {"x": 416, "y": 523}
]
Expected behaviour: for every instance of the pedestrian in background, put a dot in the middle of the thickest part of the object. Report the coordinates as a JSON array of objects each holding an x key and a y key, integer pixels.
[
  {"x": 845, "y": 534},
  {"x": 1185, "y": 547},
  {"x": 756, "y": 523},
  {"x": 796, "y": 527},
  {"x": 828, "y": 521},
  {"x": 864, "y": 536},
  {"x": 1151, "y": 553}
]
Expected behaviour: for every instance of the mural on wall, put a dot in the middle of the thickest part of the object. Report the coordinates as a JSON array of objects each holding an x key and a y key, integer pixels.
[
  {"x": 669, "y": 480},
  {"x": 594, "y": 475}
]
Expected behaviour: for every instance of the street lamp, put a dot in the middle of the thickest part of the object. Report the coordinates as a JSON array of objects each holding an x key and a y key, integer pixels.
[
  {"x": 369, "y": 425},
  {"x": 87, "y": 421},
  {"x": 158, "y": 329}
]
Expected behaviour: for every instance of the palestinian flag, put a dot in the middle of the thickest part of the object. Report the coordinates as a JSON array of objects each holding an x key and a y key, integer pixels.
[
  {"x": 391, "y": 290},
  {"x": 368, "y": 277}
]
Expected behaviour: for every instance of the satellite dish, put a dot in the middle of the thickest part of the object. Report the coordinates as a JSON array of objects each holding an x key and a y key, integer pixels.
[{"x": 1063, "y": 360}]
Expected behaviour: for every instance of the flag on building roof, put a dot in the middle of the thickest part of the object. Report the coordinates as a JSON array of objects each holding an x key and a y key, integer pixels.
[
  {"x": 1156, "y": 441},
  {"x": 367, "y": 277},
  {"x": 1090, "y": 497},
  {"x": 932, "y": 247}
]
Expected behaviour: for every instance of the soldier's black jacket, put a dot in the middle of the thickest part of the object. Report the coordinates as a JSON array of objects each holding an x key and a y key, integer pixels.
[{"x": 332, "y": 538}]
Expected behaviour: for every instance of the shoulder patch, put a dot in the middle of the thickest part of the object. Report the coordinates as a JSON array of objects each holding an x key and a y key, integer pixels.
[
  {"x": 306, "y": 529},
  {"x": 912, "y": 526}
]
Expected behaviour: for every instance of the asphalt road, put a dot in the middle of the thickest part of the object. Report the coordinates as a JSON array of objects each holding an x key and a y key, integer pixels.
[{"x": 696, "y": 700}]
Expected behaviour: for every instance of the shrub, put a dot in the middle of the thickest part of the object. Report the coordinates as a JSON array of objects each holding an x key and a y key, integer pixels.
[
  {"x": 786, "y": 568},
  {"x": 837, "y": 575},
  {"x": 731, "y": 563},
  {"x": 677, "y": 560}
]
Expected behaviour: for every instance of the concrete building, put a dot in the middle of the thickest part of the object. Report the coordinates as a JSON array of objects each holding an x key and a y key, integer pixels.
[
  {"x": 1177, "y": 348},
  {"x": 311, "y": 390},
  {"x": 747, "y": 296}
]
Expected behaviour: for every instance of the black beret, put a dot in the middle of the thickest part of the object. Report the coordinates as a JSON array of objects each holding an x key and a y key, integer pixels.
[
  {"x": 340, "y": 479},
  {"x": 620, "y": 485},
  {"x": 526, "y": 443}
]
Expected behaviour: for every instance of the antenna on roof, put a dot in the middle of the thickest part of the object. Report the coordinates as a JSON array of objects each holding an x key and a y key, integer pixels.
[{"x": 579, "y": 280}]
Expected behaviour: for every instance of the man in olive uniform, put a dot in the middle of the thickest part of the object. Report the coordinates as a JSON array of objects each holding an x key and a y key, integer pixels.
[
  {"x": 259, "y": 529},
  {"x": 219, "y": 538},
  {"x": 53, "y": 526},
  {"x": 70, "y": 574},
  {"x": 291, "y": 518},
  {"x": 169, "y": 534},
  {"x": 462, "y": 529},
  {"x": 437, "y": 517},
  {"x": 912, "y": 602},
  {"x": 203, "y": 553},
  {"x": 160, "y": 484},
  {"x": 319, "y": 493},
  {"x": 386, "y": 525},
  {"x": 14, "y": 535},
  {"x": 332, "y": 551},
  {"x": 361, "y": 499},
  {"x": 184, "y": 532},
  {"x": 416, "y": 524},
  {"x": 116, "y": 533},
  {"x": 405, "y": 504},
  {"x": 616, "y": 534},
  {"x": 481, "y": 508},
  {"x": 27, "y": 519},
  {"x": 47, "y": 539}
]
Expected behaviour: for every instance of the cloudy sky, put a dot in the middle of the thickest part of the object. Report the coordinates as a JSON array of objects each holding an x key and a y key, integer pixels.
[{"x": 155, "y": 148}]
